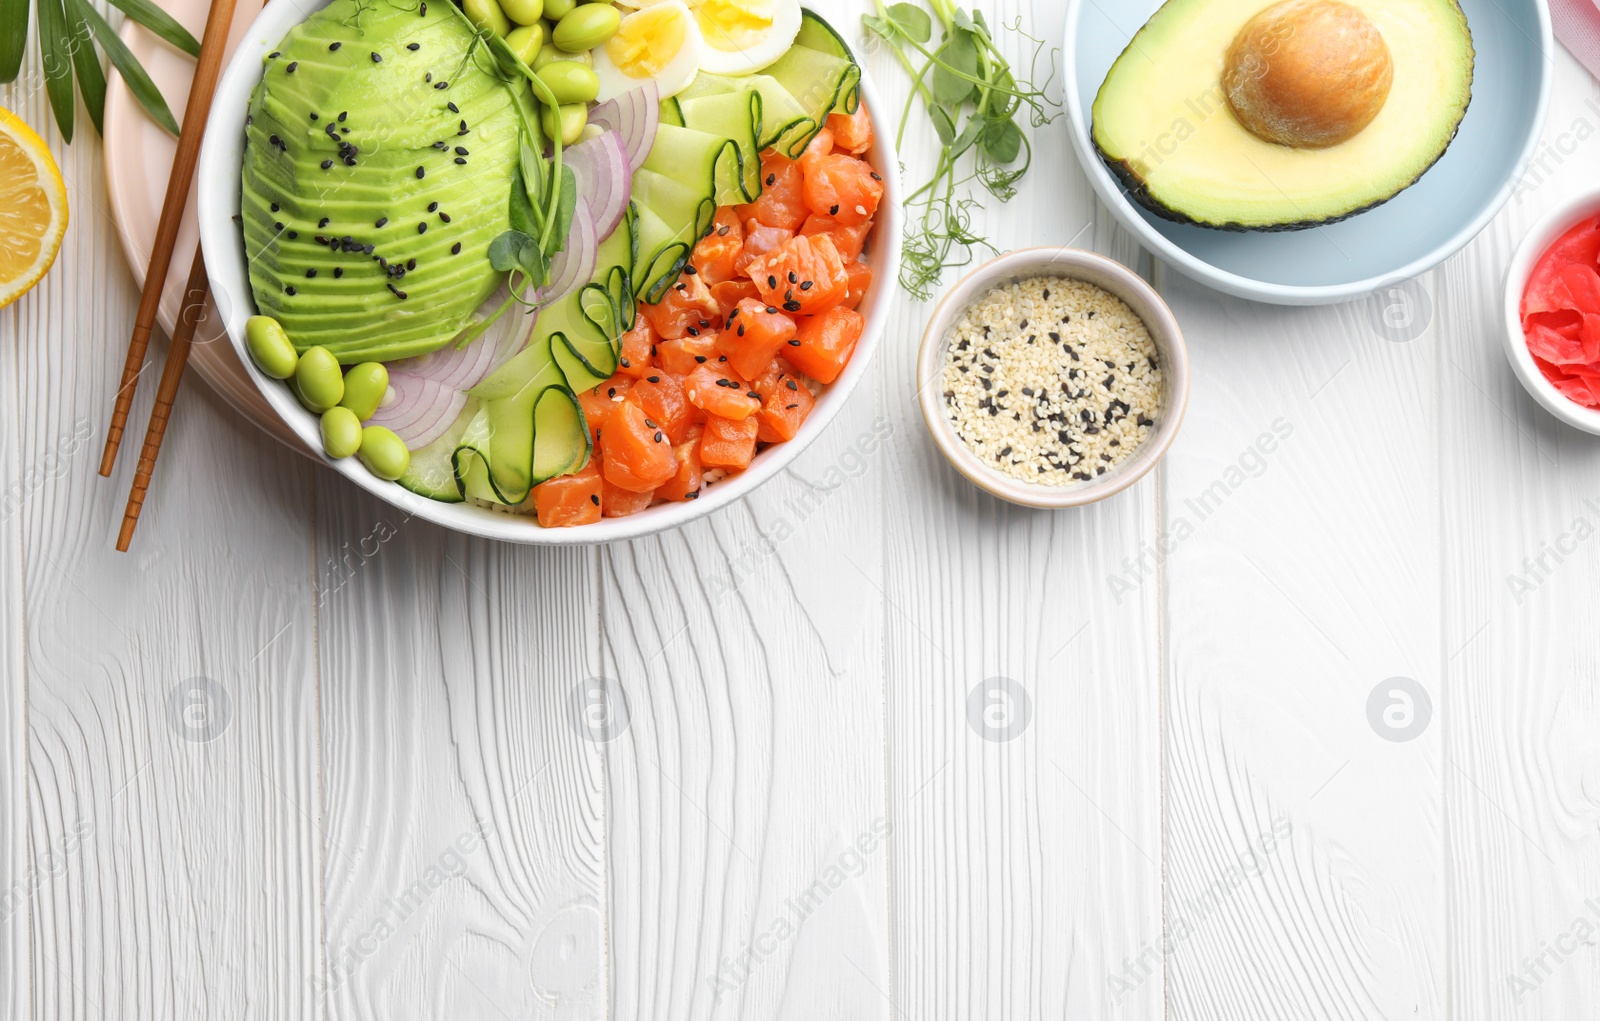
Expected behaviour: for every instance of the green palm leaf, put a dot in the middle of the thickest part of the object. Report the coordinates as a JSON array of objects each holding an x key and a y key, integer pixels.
[
  {"x": 13, "y": 37},
  {"x": 161, "y": 23},
  {"x": 91, "y": 78},
  {"x": 55, "y": 48},
  {"x": 139, "y": 83}
]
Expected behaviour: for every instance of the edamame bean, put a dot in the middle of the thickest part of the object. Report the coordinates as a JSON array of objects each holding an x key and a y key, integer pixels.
[
  {"x": 523, "y": 12},
  {"x": 270, "y": 346},
  {"x": 341, "y": 432},
  {"x": 526, "y": 42},
  {"x": 486, "y": 14},
  {"x": 318, "y": 380},
  {"x": 384, "y": 454},
  {"x": 570, "y": 82},
  {"x": 573, "y": 117},
  {"x": 586, "y": 27},
  {"x": 555, "y": 10},
  {"x": 364, "y": 387},
  {"x": 549, "y": 55}
]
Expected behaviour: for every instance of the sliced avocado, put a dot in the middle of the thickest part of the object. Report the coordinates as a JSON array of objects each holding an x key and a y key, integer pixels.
[
  {"x": 377, "y": 171},
  {"x": 1163, "y": 124}
]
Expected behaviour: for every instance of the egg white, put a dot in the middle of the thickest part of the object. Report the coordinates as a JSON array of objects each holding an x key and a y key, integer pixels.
[
  {"x": 752, "y": 54},
  {"x": 673, "y": 77}
]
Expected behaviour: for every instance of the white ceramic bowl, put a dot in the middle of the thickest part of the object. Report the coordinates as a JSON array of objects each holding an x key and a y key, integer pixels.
[
  {"x": 218, "y": 187},
  {"x": 1409, "y": 234},
  {"x": 1073, "y": 264},
  {"x": 1554, "y": 224}
]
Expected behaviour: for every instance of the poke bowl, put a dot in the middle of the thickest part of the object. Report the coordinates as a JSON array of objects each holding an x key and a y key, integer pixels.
[{"x": 494, "y": 412}]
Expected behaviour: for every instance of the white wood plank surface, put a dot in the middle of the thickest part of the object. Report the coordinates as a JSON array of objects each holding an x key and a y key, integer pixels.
[
  {"x": 464, "y": 849},
  {"x": 16, "y": 486},
  {"x": 172, "y": 801},
  {"x": 1523, "y": 857},
  {"x": 420, "y": 801},
  {"x": 1302, "y": 848},
  {"x": 1026, "y": 874}
]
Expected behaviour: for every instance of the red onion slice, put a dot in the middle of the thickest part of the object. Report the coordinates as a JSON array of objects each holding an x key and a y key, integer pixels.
[
  {"x": 605, "y": 180},
  {"x": 634, "y": 115},
  {"x": 419, "y": 410},
  {"x": 462, "y": 368},
  {"x": 574, "y": 264}
]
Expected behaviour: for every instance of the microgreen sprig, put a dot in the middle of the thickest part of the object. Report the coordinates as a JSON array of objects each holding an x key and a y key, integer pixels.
[{"x": 976, "y": 101}]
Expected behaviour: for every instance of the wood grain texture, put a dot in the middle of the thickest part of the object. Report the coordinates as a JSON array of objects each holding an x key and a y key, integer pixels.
[
  {"x": 1301, "y": 499},
  {"x": 1026, "y": 872},
  {"x": 1521, "y": 765},
  {"x": 16, "y": 485},
  {"x": 465, "y": 856},
  {"x": 178, "y": 874}
]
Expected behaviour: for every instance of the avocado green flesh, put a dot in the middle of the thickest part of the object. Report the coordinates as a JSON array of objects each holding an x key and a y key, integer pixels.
[
  {"x": 394, "y": 115},
  {"x": 1163, "y": 124}
]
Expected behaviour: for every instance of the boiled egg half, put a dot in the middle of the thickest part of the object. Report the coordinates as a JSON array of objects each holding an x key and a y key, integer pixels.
[
  {"x": 660, "y": 42},
  {"x": 744, "y": 36}
]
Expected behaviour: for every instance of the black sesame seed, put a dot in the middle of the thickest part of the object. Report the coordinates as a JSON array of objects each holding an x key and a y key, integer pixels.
[
  {"x": 338, "y": 271},
  {"x": 376, "y": 57},
  {"x": 771, "y": 311},
  {"x": 342, "y": 115},
  {"x": 275, "y": 54},
  {"x": 289, "y": 291},
  {"x": 659, "y": 437},
  {"x": 875, "y": 177},
  {"x": 452, "y": 107},
  {"x": 433, "y": 207},
  {"x": 653, "y": 379},
  {"x": 275, "y": 207},
  {"x": 278, "y": 225},
  {"x": 455, "y": 249},
  {"x": 441, "y": 85},
  {"x": 689, "y": 271},
  {"x": 722, "y": 231},
  {"x": 397, "y": 292},
  {"x": 625, "y": 363},
  {"x": 310, "y": 273},
  {"x": 699, "y": 358},
  {"x": 293, "y": 235},
  {"x": 461, "y": 161},
  {"x": 806, "y": 286},
  {"x": 754, "y": 394},
  {"x": 461, "y": 150},
  {"x": 594, "y": 498},
  {"x": 790, "y": 384},
  {"x": 272, "y": 140},
  {"x": 792, "y": 306},
  {"x": 794, "y": 278},
  {"x": 419, "y": 173},
  {"x": 334, "y": 46},
  {"x": 413, "y": 47},
  {"x": 322, "y": 222},
  {"x": 834, "y": 210},
  {"x": 292, "y": 65},
  {"x": 444, "y": 217},
  {"x": 411, "y": 264},
  {"x": 772, "y": 283},
  {"x": 381, "y": 221},
  {"x": 794, "y": 343}
]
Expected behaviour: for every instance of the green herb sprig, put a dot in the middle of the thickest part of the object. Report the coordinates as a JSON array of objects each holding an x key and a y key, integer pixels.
[
  {"x": 68, "y": 32},
  {"x": 977, "y": 102}
]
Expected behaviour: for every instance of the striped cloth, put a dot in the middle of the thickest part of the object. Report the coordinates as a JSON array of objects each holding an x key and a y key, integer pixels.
[{"x": 1577, "y": 25}]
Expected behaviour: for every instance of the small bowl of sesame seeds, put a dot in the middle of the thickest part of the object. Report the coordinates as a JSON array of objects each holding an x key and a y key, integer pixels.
[{"x": 1053, "y": 377}]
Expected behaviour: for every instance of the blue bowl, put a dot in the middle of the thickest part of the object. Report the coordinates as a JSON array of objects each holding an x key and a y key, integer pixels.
[{"x": 1408, "y": 235}]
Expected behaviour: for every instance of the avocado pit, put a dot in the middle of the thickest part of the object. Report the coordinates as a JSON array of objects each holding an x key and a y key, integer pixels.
[{"x": 1309, "y": 74}]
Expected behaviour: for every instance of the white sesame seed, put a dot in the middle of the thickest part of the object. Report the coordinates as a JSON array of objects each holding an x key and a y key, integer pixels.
[{"x": 1051, "y": 381}]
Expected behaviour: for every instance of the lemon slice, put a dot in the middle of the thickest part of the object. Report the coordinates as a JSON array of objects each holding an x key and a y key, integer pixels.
[{"x": 33, "y": 208}]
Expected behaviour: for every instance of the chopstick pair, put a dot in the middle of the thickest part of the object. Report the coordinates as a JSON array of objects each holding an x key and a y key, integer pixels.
[{"x": 219, "y": 19}]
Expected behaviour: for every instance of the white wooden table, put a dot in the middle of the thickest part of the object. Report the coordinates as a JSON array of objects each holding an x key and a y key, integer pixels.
[{"x": 297, "y": 756}]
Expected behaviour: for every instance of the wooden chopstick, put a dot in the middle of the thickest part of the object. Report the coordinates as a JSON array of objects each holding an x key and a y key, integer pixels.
[
  {"x": 194, "y": 303},
  {"x": 215, "y": 40}
]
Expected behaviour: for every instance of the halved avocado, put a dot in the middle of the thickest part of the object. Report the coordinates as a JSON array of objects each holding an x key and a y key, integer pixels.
[{"x": 1164, "y": 125}]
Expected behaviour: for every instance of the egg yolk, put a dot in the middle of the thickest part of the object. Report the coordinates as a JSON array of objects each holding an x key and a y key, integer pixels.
[
  {"x": 647, "y": 41},
  {"x": 733, "y": 24}
]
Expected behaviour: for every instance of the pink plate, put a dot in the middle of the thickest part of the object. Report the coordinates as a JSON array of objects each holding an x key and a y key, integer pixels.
[{"x": 138, "y": 157}]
